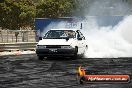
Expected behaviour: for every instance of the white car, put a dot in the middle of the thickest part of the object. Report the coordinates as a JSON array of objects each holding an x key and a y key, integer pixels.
[{"x": 61, "y": 43}]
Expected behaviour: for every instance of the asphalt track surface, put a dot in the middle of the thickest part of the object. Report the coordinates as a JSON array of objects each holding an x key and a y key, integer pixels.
[{"x": 26, "y": 71}]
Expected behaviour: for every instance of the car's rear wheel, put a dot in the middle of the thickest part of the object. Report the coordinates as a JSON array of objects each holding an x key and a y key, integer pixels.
[
  {"x": 83, "y": 55},
  {"x": 40, "y": 57}
]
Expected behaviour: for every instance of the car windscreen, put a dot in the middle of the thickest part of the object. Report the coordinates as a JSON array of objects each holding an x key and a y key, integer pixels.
[{"x": 59, "y": 34}]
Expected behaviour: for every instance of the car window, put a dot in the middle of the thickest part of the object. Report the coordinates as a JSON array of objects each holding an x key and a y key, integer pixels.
[{"x": 59, "y": 34}]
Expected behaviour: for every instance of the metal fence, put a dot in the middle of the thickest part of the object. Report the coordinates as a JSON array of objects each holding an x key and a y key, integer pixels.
[{"x": 10, "y": 36}]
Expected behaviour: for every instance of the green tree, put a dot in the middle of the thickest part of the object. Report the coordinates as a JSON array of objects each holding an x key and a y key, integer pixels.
[
  {"x": 17, "y": 13},
  {"x": 55, "y": 8},
  {"x": 21, "y": 13}
]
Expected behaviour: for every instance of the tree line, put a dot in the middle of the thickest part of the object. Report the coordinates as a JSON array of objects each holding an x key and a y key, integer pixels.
[{"x": 15, "y": 14}]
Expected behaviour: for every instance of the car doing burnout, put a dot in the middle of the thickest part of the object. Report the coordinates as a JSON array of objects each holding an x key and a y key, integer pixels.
[{"x": 61, "y": 43}]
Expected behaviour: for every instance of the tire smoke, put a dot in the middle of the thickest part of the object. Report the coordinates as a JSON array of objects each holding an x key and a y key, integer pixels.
[{"x": 108, "y": 41}]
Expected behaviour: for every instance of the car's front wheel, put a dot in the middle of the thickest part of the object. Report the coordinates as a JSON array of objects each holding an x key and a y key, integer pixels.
[{"x": 75, "y": 54}]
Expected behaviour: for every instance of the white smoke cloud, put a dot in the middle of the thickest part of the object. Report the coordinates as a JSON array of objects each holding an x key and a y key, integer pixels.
[
  {"x": 108, "y": 41},
  {"x": 125, "y": 28}
]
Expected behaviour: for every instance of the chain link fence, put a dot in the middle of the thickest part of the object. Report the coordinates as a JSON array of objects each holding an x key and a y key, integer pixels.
[{"x": 9, "y": 36}]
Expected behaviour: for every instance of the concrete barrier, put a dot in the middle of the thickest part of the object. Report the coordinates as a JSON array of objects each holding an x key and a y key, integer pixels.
[{"x": 20, "y": 46}]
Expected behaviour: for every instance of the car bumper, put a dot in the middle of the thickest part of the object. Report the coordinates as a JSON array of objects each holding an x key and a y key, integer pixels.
[{"x": 56, "y": 52}]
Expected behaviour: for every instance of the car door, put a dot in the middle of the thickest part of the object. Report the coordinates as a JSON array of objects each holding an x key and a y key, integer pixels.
[
  {"x": 83, "y": 42},
  {"x": 80, "y": 41}
]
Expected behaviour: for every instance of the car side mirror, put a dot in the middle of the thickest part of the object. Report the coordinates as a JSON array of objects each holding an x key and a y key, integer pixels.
[
  {"x": 40, "y": 38},
  {"x": 79, "y": 38}
]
